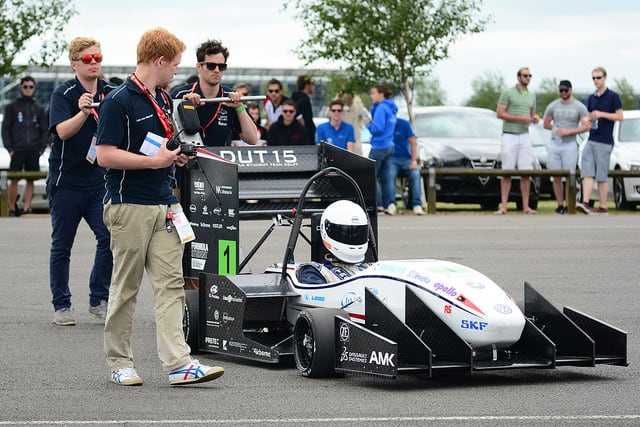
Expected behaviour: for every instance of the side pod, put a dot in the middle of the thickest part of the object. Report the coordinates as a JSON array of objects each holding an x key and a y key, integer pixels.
[{"x": 580, "y": 340}]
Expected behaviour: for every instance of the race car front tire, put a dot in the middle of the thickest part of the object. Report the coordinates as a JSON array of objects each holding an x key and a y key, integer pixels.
[
  {"x": 314, "y": 342},
  {"x": 191, "y": 318}
]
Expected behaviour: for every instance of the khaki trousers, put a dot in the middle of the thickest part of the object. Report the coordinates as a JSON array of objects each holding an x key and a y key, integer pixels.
[{"x": 139, "y": 242}]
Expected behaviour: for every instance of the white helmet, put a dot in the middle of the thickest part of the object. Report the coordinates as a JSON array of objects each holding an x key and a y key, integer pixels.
[{"x": 344, "y": 230}]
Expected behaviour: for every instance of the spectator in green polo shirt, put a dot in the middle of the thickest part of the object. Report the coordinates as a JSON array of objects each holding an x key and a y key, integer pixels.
[{"x": 517, "y": 107}]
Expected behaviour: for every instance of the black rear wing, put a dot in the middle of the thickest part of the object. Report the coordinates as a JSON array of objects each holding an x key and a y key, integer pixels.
[{"x": 270, "y": 179}]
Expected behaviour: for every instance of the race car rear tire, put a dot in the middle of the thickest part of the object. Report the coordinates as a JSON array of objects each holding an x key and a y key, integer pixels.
[
  {"x": 191, "y": 318},
  {"x": 314, "y": 342}
]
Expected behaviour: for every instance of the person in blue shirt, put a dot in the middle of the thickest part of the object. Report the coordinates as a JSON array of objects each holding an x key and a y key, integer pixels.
[
  {"x": 335, "y": 131},
  {"x": 381, "y": 125},
  {"x": 405, "y": 160}
]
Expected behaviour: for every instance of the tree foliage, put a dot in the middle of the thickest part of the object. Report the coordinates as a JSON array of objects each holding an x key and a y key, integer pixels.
[
  {"x": 428, "y": 92},
  {"x": 39, "y": 22},
  {"x": 393, "y": 42},
  {"x": 546, "y": 94},
  {"x": 486, "y": 90},
  {"x": 627, "y": 94}
]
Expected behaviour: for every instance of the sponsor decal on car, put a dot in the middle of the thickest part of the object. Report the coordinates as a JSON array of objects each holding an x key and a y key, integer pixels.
[
  {"x": 473, "y": 325},
  {"x": 353, "y": 356},
  {"x": 448, "y": 290},
  {"x": 344, "y": 332},
  {"x": 383, "y": 359},
  {"x": 501, "y": 308}
]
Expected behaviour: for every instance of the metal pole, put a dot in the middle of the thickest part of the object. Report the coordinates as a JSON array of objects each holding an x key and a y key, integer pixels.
[{"x": 431, "y": 191}]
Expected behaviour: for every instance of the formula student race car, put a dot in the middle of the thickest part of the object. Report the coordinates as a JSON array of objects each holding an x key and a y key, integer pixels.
[{"x": 394, "y": 317}]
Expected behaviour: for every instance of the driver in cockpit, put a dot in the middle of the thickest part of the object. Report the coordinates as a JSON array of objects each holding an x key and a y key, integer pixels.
[{"x": 344, "y": 229}]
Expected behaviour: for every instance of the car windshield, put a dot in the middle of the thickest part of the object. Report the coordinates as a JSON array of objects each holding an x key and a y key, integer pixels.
[
  {"x": 457, "y": 125},
  {"x": 630, "y": 130}
]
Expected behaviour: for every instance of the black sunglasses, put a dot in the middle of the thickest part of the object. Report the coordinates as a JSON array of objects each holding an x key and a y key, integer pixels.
[
  {"x": 288, "y": 111},
  {"x": 274, "y": 90},
  {"x": 563, "y": 90},
  {"x": 212, "y": 66},
  {"x": 596, "y": 77},
  {"x": 28, "y": 87},
  {"x": 337, "y": 111}
]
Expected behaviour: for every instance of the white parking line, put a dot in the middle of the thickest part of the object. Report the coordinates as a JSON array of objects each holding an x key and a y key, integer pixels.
[{"x": 334, "y": 420}]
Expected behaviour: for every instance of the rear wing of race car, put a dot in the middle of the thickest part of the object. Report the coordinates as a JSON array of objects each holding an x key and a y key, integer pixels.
[{"x": 270, "y": 179}]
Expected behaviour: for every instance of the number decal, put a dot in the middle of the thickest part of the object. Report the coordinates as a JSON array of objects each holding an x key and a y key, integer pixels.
[{"x": 227, "y": 262}]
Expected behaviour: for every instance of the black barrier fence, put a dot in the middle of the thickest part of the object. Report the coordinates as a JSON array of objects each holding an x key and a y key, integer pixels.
[{"x": 430, "y": 175}]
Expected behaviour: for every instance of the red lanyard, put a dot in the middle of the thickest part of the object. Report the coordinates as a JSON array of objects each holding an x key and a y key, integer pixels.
[
  {"x": 193, "y": 89},
  {"x": 162, "y": 114},
  {"x": 94, "y": 111}
]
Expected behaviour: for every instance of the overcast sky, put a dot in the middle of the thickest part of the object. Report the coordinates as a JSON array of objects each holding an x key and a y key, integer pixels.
[{"x": 562, "y": 39}]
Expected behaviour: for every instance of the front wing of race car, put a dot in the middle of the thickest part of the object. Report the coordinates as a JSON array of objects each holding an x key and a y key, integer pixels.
[{"x": 246, "y": 316}]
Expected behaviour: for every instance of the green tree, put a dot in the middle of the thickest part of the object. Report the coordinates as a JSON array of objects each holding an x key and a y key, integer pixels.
[
  {"x": 486, "y": 90},
  {"x": 546, "y": 93},
  {"x": 627, "y": 94},
  {"x": 429, "y": 92},
  {"x": 39, "y": 22},
  {"x": 385, "y": 41}
]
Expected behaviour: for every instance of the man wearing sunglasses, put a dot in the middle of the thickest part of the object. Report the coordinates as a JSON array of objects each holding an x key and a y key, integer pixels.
[
  {"x": 287, "y": 130},
  {"x": 25, "y": 135},
  {"x": 605, "y": 107},
  {"x": 75, "y": 184},
  {"x": 273, "y": 104},
  {"x": 219, "y": 122},
  {"x": 566, "y": 117},
  {"x": 517, "y": 108},
  {"x": 336, "y": 131}
]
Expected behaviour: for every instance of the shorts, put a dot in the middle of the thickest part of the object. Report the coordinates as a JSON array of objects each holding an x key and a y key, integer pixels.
[
  {"x": 562, "y": 155},
  {"x": 517, "y": 151},
  {"x": 595, "y": 160},
  {"x": 25, "y": 160}
]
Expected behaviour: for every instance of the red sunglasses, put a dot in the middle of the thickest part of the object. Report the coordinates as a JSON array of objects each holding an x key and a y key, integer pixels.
[{"x": 86, "y": 59}]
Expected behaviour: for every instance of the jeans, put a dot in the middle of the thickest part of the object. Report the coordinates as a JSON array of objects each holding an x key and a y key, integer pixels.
[
  {"x": 385, "y": 188},
  {"x": 397, "y": 164},
  {"x": 68, "y": 207}
]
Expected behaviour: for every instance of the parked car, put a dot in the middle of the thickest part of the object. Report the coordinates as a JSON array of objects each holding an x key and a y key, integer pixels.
[
  {"x": 625, "y": 192},
  {"x": 39, "y": 203},
  {"x": 465, "y": 137}
]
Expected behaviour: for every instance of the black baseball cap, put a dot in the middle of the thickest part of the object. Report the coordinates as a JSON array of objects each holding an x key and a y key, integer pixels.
[{"x": 565, "y": 83}]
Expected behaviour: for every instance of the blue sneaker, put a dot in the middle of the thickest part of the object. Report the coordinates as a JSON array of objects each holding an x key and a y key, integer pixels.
[
  {"x": 126, "y": 376},
  {"x": 193, "y": 372}
]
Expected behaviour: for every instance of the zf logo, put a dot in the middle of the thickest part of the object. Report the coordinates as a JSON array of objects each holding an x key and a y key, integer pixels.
[
  {"x": 344, "y": 332},
  {"x": 471, "y": 324},
  {"x": 379, "y": 358}
]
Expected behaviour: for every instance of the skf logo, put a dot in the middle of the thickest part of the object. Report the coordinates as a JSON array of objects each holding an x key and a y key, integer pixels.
[
  {"x": 379, "y": 358},
  {"x": 472, "y": 324}
]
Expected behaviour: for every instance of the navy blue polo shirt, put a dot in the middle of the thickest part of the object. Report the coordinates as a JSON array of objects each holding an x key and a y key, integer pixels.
[
  {"x": 126, "y": 116},
  {"x": 608, "y": 102},
  {"x": 68, "y": 164},
  {"x": 217, "y": 132}
]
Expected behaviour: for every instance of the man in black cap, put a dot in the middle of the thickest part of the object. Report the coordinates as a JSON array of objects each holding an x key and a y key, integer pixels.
[{"x": 565, "y": 117}]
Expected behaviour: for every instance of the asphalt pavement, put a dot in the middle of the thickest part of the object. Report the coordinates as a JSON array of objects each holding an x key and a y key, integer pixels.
[{"x": 51, "y": 375}]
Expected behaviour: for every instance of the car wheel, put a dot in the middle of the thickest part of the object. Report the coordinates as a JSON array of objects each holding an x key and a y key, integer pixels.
[
  {"x": 314, "y": 342},
  {"x": 619, "y": 196},
  {"x": 489, "y": 206},
  {"x": 191, "y": 318}
]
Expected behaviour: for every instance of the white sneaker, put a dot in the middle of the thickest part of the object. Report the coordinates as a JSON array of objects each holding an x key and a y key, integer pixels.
[
  {"x": 391, "y": 209},
  {"x": 193, "y": 372},
  {"x": 126, "y": 376},
  {"x": 418, "y": 210},
  {"x": 63, "y": 317}
]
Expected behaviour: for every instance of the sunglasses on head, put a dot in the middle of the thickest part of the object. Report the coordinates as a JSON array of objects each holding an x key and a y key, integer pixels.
[
  {"x": 212, "y": 66},
  {"x": 86, "y": 59},
  {"x": 28, "y": 87},
  {"x": 288, "y": 111}
]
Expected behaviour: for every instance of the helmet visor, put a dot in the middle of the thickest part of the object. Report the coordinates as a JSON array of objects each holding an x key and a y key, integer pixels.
[{"x": 354, "y": 235}]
